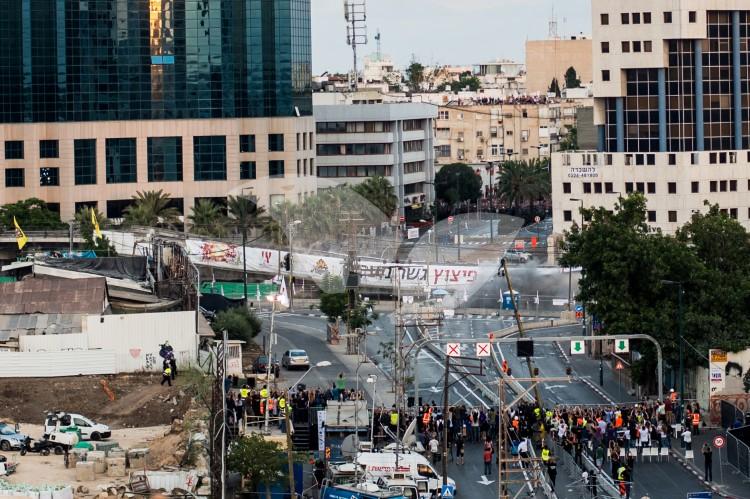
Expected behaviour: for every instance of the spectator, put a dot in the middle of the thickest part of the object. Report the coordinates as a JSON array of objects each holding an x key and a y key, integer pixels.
[{"x": 708, "y": 454}]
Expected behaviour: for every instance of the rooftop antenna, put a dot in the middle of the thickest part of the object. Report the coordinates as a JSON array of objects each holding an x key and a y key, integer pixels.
[
  {"x": 377, "y": 38},
  {"x": 553, "y": 35},
  {"x": 356, "y": 32}
]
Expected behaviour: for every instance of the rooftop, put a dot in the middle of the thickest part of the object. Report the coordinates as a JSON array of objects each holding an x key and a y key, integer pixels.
[{"x": 54, "y": 296}]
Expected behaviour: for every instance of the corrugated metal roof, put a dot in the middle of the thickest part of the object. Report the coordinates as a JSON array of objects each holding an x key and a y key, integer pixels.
[
  {"x": 53, "y": 296},
  {"x": 13, "y": 326}
]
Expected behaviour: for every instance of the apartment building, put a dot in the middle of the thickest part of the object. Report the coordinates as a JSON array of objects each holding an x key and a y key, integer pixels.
[
  {"x": 551, "y": 58},
  {"x": 671, "y": 109},
  {"x": 99, "y": 100},
  {"x": 393, "y": 140},
  {"x": 474, "y": 131}
]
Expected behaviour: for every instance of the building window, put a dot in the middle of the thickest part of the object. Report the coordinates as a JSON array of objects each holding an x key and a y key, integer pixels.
[
  {"x": 625, "y": 18},
  {"x": 651, "y": 187},
  {"x": 210, "y": 157},
  {"x": 732, "y": 186},
  {"x": 443, "y": 151},
  {"x": 640, "y": 187},
  {"x": 247, "y": 143},
  {"x": 651, "y": 216},
  {"x": 597, "y": 187},
  {"x": 164, "y": 159},
  {"x": 672, "y": 159},
  {"x": 695, "y": 187},
  {"x": 14, "y": 177},
  {"x": 304, "y": 141},
  {"x": 636, "y": 46},
  {"x": 625, "y": 47},
  {"x": 443, "y": 115},
  {"x": 723, "y": 186},
  {"x": 692, "y": 16},
  {"x": 49, "y": 149},
  {"x": 628, "y": 187},
  {"x": 84, "y": 158},
  {"x": 608, "y": 188},
  {"x": 733, "y": 213},
  {"x": 304, "y": 167},
  {"x": 13, "y": 149},
  {"x": 647, "y": 18},
  {"x": 672, "y": 187},
  {"x": 647, "y": 46},
  {"x": 566, "y": 187},
  {"x": 299, "y": 167},
  {"x": 605, "y": 74},
  {"x": 605, "y": 47},
  {"x": 247, "y": 170},
  {"x": 276, "y": 142},
  {"x": 636, "y": 18},
  {"x": 49, "y": 177},
  {"x": 121, "y": 161},
  {"x": 651, "y": 159},
  {"x": 87, "y": 205},
  {"x": 604, "y": 18},
  {"x": 712, "y": 186},
  {"x": 587, "y": 187},
  {"x": 276, "y": 168},
  {"x": 672, "y": 216},
  {"x": 667, "y": 17},
  {"x": 567, "y": 216}
]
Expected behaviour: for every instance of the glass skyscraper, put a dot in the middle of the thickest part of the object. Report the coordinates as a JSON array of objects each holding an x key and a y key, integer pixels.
[{"x": 166, "y": 82}]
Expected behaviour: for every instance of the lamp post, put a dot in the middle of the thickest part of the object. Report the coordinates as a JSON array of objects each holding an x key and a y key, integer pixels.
[
  {"x": 244, "y": 243},
  {"x": 570, "y": 269},
  {"x": 491, "y": 169},
  {"x": 373, "y": 378},
  {"x": 680, "y": 333},
  {"x": 290, "y": 231}
]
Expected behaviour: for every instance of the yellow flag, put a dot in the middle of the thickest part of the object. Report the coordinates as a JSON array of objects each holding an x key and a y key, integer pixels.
[
  {"x": 21, "y": 238},
  {"x": 95, "y": 224}
]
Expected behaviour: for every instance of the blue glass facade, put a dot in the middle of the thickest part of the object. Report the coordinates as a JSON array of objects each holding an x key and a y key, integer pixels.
[{"x": 88, "y": 60}]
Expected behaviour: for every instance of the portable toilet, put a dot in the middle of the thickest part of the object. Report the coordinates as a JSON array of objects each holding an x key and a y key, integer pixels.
[{"x": 507, "y": 303}]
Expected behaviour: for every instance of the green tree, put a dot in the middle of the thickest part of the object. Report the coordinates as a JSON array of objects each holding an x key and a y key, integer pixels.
[
  {"x": 31, "y": 214},
  {"x": 151, "y": 209},
  {"x": 467, "y": 81},
  {"x": 415, "y": 75},
  {"x": 379, "y": 192},
  {"x": 207, "y": 219},
  {"x": 554, "y": 87},
  {"x": 570, "y": 140},
  {"x": 260, "y": 461},
  {"x": 456, "y": 183},
  {"x": 334, "y": 305},
  {"x": 522, "y": 182},
  {"x": 571, "y": 78},
  {"x": 102, "y": 246},
  {"x": 239, "y": 323}
]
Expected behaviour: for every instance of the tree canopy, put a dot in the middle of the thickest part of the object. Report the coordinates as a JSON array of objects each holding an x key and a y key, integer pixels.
[
  {"x": 415, "y": 75},
  {"x": 571, "y": 78},
  {"x": 260, "y": 461},
  {"x": 629, "y": 271},
  {"x": 31, "y": 214},
  {"x": 102, "y": 246},
  {"x": 524, "y": 182},
  {"x": 554, "y": 87},
  {"x": 379, "y": 192},
  {"x": 457, "y": 182},
  {"x": 239, "y": 323},
  {"x": 151, "y": 209}
]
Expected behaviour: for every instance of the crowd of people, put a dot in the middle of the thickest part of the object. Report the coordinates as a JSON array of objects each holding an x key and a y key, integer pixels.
[{"x": 498, "y": 101}]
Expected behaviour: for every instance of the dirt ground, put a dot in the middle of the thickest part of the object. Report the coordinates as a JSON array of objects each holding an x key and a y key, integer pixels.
[{"x": 139, "y": 400}]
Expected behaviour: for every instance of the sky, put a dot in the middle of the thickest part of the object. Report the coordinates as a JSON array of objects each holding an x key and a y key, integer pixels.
[{"x": 443, "y": 32}]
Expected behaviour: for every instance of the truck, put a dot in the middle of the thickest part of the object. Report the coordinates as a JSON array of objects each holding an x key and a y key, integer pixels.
[
  {"x": 410, "y": 465},
  {"x": 89, "y": 430},
  {"x": 363, "y": 491}
]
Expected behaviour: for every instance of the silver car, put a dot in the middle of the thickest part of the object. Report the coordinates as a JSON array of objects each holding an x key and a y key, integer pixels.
[
  {"x": 293, "y": 359},
  {"x": 517, "y": 256}
]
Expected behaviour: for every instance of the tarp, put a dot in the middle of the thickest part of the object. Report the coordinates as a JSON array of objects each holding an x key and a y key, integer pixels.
[
  {"x": 233, "y": 290},
  {"x": 120, "y": 267}
]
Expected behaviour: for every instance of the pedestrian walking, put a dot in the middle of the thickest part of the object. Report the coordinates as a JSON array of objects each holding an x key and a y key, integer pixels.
[
  {"x": 708, "y": 454},
  {"x": 687, "y": 439},
  {"x": 460, "y": 449},
  {"x": 488, "y": 461},
  {"x": 434, "y": 448},
  {"x": 552, "y": 471}
]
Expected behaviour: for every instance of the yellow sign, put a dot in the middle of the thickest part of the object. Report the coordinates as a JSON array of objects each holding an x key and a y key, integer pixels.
[{"x": 718, "y": 355}]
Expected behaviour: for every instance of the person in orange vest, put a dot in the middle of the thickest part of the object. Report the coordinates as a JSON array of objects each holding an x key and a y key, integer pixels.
[
  {"x": 696, "y": 422},
  {"x": 505, "y": 366},
  {"x": 426, "y": 417}
]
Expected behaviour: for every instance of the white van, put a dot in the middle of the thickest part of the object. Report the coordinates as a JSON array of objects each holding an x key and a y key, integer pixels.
[
  {"x": 90, "y": 430},
  {"x": 410, "y": 464}
]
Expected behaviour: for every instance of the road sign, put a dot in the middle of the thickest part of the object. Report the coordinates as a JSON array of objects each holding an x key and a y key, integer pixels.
[
  {"x": 402, "y": 219},
  {"x": 450, "y": 220},
  {"x": 453, "y": 349},
  {"x": 700, "y": 495},
  {"x": 719, "y": 441},
  {"x": 622, "y": 346},
  {"x": 577, "y": 347},
  {"x": 412, "y": 233},
  {"x": 448, "y": 491},
  {"x": 619, "y": 366},
  {"x": 483, "y": 349},
  {"x": 579, "y": 308}
]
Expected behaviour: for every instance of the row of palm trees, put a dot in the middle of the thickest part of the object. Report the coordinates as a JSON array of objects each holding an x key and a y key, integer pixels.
[{"x": 524, "y": 183}]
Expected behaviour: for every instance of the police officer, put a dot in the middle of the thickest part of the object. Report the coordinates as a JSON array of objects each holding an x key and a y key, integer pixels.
[
  {"x": 166, "y": 375},
  {"x": 545, "y": 454},
  {"x": 393, "y": 422},
  {"x": 282, "y": 413}
]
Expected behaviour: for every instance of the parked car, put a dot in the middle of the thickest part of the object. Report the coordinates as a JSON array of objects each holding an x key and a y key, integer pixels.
[
  {"x": 11, "y": 437},
  {"x": 295, "y": 359},
  {"x": 260, "y": 366},
  {"x": 88, "y": 429},
  {"x": 517, "y": 256}
]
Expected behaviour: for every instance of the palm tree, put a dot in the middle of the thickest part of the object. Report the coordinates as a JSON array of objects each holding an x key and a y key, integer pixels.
[
  {"x": 245, "y": 212},
  {"x": 207, "y": 219},
  {"x": 151, "y": 208},
  {"x": 524, "y": 181},
  {"x": 100, "y": 245},
  {"x": 379, "y": 192}
]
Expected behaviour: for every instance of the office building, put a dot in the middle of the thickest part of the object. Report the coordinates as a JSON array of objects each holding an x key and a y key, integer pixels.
[
  {"x": 100, "y": 99},
  {"x": 393, "y": 140},
  {"x": 672, "y": 103}
]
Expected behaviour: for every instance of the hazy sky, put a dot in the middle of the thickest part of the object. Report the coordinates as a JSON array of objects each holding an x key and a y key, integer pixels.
[{"x": 458, "y": 32}]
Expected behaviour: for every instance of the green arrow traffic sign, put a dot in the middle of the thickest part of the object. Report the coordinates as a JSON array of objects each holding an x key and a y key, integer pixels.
[
  {"x": 622, "y": 346},
  {"x": 577, "y": 347}
]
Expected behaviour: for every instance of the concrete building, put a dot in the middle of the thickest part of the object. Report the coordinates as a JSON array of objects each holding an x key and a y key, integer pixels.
[
  {"x": 99, "y": 100},
  {"x": 472, "y": 131},
  {"x": 393, "y": 140},
  {"x": 547, "y": 59},
  {"x": 671, "y": 109}
]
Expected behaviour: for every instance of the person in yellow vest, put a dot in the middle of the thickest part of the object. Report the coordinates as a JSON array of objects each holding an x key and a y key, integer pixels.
[
  {"x": 537, "y": 413},
  {"x": 244, "y": 392},
  {"x": 282, "y": 413},
  {"x": 393, "y": 419},
  {"x": 166, "y": 375},
  {"x": 545, "y": 454}
]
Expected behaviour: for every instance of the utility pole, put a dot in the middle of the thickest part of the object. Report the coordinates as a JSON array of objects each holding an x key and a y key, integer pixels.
[
  {"x": 492, "y": 199},
  {"x": 289, "y": 454},
  {"x": 681, "y": 331},
  {"x": 445, "y": 419},
  {"x": 458, "y": 211},
  {"x": 503, "y": 263}
]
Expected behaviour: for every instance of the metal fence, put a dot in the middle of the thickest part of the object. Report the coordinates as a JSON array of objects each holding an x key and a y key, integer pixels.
[{"x": 738, "y": 451}]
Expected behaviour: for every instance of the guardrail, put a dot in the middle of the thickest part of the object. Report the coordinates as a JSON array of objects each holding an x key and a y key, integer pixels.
[
  {"x": 738, "y": 452},
  {"x": 605, "y": 486}
]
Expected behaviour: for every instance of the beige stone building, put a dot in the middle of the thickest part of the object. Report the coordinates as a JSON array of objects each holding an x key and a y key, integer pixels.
[
  {"x": 480, "y": 132},
  {"x": 547, "y": 59}
]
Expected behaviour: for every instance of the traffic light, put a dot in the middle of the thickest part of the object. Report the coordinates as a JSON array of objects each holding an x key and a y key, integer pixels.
[
  {"x": 525, "y": 348},
  {"x": 287, "y": 262},
  {"x": 536, "y": 371},
  {"x": 568, "y": 370}
]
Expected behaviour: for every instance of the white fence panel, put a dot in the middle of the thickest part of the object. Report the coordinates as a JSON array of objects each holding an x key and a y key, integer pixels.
[
  {"x": 52, "y": 342},
  {"x": 136, "y": 338},
  {"x": 51, "y": 364}
]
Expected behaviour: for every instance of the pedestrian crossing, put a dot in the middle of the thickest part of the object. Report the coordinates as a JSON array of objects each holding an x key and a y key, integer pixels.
[{"x": 461, "y": 317}]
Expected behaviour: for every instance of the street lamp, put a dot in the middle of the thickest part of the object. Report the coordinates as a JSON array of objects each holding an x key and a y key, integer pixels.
[
  {"x": 680, "y": 332},
  {"x": 458, "y": 223},
  {"x": 290, "y": 230},
  {"x": 322, "y": 363},
  {"x": 373, "y": 378},
  {"x": 491, "y": 170}
]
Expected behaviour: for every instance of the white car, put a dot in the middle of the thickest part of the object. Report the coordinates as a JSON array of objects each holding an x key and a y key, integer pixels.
[
  {"x": 89, "y": 429},
  {"x": 295, "y": 359}
]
